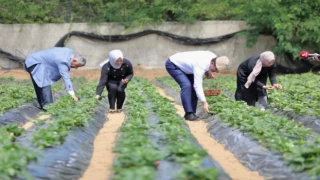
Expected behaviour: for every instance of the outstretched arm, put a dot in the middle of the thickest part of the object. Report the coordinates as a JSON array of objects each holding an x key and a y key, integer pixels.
[{"x": 103, "y": 80}]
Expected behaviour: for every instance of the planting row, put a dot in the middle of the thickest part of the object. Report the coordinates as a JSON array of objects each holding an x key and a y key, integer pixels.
[
  {"x": 300, "y": 93},
  {"x": 298, "y": 145},
  {"x": 13, "y": 158},
  {"x": 155, "y": 143},
  {"x": 298, "y": 101},
  {"x": 66, "y": 116},
  {"x": 14, "y": 94},
  {"x": 12, "y": 80}
]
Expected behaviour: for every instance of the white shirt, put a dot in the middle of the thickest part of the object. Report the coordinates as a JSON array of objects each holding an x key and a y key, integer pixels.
[
  {"x": 196, "y": 63},
  {"x": 103, "y": 63}
]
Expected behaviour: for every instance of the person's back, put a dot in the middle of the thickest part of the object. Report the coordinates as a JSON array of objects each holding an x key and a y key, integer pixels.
[
  {"x": 188, "y": 69},
  {"x": 48, "y": 66},
  {"x": 50, "y": 56},
  {"x": 186, "y": 61},
  {"x": 247, "y": 65}
]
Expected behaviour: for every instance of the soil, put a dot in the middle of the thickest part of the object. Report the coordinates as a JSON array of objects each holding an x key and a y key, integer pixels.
[
  {"x": 89, "y": 74},
  {"x": 94, "y": 74},
  {"x": 231, "y": 165},
  {"x": 102, "y": 159}
]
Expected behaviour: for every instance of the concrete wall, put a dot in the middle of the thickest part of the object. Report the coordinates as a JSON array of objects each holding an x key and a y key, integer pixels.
[{"x": 149, "y": 51}]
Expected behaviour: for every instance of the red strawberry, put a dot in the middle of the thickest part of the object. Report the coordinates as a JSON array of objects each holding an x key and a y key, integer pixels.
[{"x": 157, "y": 163}]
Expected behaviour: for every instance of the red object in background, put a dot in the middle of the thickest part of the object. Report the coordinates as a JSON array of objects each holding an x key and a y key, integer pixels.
[
  {"x": 157, "y": 163},
  {"x": 304, "y": 54}
]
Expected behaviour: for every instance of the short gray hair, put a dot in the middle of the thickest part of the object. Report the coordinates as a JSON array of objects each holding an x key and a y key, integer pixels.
[{"x": 81, "y": 59}]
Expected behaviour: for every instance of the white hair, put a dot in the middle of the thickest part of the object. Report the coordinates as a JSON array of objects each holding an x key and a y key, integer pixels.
[{"x": 80, "y": 59}]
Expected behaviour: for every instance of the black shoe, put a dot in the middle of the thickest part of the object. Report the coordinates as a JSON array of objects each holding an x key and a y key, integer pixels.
[
  {"x": 43, "y": 109},
  {"x": 197, "y": 116},
  {"x": 191, "y": 117}
]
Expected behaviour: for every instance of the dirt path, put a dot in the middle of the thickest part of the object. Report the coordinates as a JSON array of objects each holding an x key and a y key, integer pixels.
[
  {"x": 102, "y": 158},
  {"x": 231, "y": 165},
  {"x": 94, "y": 74},
  {"x": 89, "y": 74}
]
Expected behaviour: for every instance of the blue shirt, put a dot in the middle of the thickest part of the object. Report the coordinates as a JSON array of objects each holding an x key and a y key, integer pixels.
[{"x": 52, "y": 64}]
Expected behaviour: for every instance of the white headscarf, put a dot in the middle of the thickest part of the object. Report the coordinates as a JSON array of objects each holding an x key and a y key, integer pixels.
[
  {"x": 114, "y": 55},
  {"x": 265, "y": 58}
]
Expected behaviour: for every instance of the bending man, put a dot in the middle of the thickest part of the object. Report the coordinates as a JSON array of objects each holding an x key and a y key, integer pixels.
[
  {"x": 48, "y": 66},
  {"x": 187, "y": 69}
]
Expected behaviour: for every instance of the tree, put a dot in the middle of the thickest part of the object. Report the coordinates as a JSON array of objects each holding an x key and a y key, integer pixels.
[
  {"x": 294, "y": 23},
  {"x": 28, "y": 11}
]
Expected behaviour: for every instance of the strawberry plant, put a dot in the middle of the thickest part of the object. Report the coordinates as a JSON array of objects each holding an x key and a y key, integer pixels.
[
  {"x": 299, "y": 146},
  {"x": 6, "y": 79},
  {"x": 136, "y": 150},
  {"x": 67, "y": 115},
  {"x": 11, "y": 80},
  {"x": 13, "y": 158},
  {"x": 299, "y": 95},
  {"x": 14, "y": 94}
]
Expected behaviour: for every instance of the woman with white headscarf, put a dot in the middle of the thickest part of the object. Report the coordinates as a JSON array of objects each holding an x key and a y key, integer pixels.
[
  {"x": 115, "y": 75},
  {"x": 252, "y": 77}
]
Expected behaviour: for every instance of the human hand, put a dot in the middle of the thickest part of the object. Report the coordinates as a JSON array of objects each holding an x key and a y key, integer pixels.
[
  {"x": 75, "y": 98},
  {"x": 205, "y": 107},
  {"x": 97, "y": 97},
  {"x": 277, "y": 86},
  {"x": 268, "y": 87},
  {"x": 315, "y": 58},
  {"x": 124, "y": 81},
  {"x": 209, "y": 75}
]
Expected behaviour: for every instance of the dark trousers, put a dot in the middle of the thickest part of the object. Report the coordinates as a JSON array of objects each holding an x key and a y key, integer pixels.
[
  {"x": 116, "y": 92},
  {"x": 188, "y": 95},
  {"x": 44, "y": 94},
  {"x": 251, "y": 96}
]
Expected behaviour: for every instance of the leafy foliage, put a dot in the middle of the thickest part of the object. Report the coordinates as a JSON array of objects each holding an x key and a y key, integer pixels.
[
  {"x": 298, "y": 144},
  {"x": 67, "y": 115},
  {"x": 129, "y": 12},
  {"x": 137, "y": 132},
  {"x": 29, "y": 11},
  {"x": 14, "y": 95},
  {"x": 135, "y": 13},
  {"x": 14, "y": 158},
  {"x": 297, "y": 97},
  {"x": 16, "y": 92},
  {"x": 295, "y": 24}
]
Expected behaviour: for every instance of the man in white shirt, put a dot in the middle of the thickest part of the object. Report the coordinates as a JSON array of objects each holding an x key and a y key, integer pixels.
[{"x": 187, "y": 69}]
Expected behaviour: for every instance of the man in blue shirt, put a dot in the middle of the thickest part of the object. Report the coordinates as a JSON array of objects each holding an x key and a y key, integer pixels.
[{"x": 48, "y": 66}]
